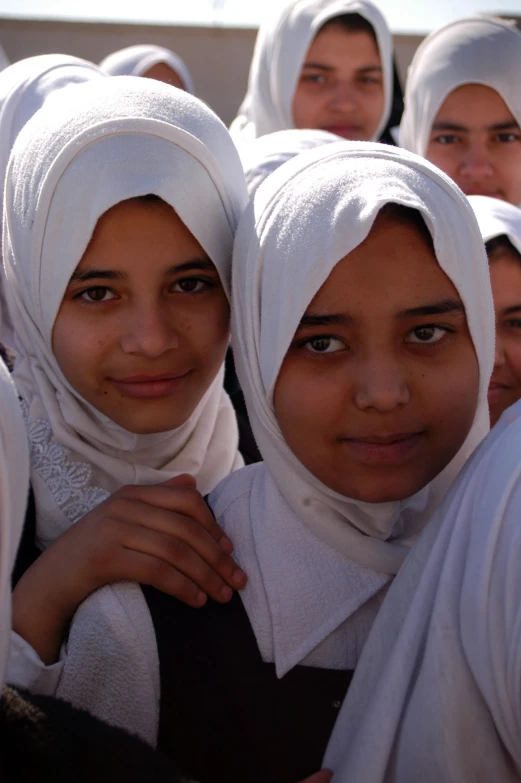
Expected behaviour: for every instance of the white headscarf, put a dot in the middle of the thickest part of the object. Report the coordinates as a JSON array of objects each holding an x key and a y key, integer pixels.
[
  {"x": 137, "y": 60},
  {"x": 497, "y": 218},
  {"x": 470, "y": 51},
  {"x": 305, "y": 217},
  {"x": 280, "y": 49},
  {"x": 4, "y": 60},
  {"x": 264, "y": 155},
  {"x": 24, "y": 87},
  {"x": 98, "y": 145},
  {"x": 14, "y": 486},
  {"x": 436, "y": 695}
]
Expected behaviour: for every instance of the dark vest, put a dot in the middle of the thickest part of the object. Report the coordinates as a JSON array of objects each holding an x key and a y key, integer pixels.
[{"x": 225, "y": 717}]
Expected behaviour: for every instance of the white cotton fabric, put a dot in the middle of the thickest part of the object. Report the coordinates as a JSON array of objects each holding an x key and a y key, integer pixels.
[
  {"x": 476, "y": 50},
  {"x": 119, "y": 138},
  {"x": 264, "y": 155},
  {"x": 305, "y": 217},
  {"x": 281, "y": 47},
  {"x": 437, "y": 696},
  {"x": 497, "y": 218},
  {"x": 24, "y": 88},
  {"x": 137, "y": 60},
  {"x": 14, "y": 487}
]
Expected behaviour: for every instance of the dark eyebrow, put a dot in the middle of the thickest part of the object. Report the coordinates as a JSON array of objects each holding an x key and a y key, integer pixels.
[
  {"x": 435, "y": 308},
  {"x": 336, "y": 319},
  {"x": 504, "y": 126},
  {"x": 449, "y": 126},
  {"x": 319, "y": 66},
  {"x": 82, "y": 276},
  {"x": 512, "y": 309}
]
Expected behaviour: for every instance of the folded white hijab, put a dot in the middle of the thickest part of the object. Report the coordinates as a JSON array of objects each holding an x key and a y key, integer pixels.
[
  {"x": 280, "y": 50},
  {"x": 497, "y": 218},
  {"x": 14, "y": 487},
  {"x": 98, "y": 145},
  {"x": 24, "y": 87},
  {"x": 264, "y": 155},
  {"x": 137, "y": 60},
  {"x": 305, "y": 217},
  {"x": 470, "y": 51},
  {"x": 436, "y": 695}
]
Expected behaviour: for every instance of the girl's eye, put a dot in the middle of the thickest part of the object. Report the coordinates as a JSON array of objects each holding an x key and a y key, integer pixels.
[
  {"x": 507, "y": 138},
  {"x": 98, "y": 293},
  {"x": 190, "y": 285},
  {"x": 314, "y": 78},
  {"x": 324, "y": 345},
  {"x": 513, "y": 323},
  {"x": 426, "y": 335},
  {"x": 446, "y": 139}
]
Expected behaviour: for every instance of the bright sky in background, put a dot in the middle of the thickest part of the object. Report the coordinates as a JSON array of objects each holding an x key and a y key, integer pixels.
[{"x": 402, "y": 15}]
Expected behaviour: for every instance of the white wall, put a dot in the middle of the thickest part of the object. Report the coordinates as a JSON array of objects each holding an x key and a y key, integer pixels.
[{"x": 219, "y": 58}]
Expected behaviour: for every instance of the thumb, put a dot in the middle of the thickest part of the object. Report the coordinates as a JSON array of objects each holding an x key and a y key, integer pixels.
[{"x": 183, "y": 480}]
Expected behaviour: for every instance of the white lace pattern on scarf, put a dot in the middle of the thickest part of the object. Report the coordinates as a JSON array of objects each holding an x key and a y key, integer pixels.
[{"x": 68, "y": 481}]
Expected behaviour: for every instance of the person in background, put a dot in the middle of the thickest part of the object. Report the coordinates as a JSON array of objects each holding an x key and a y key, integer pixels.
[
  {"x": 323, "y": 65},
  {"x": 500, "y": 226},
  {"x": 150, "y": 61},
  {"x": 463, "y": 106}
]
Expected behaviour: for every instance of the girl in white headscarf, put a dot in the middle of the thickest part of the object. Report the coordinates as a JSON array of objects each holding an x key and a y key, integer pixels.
[
  {"x": 463, "y": 106},
  {"x": 121, "y": 318},
  {"x": 154, "y": 62},
  {"x": 322, "y": 64},
  {"x": 264, "y": 155},
  {"x": 500, "y": 226},
  {"x": 362, "y": 328},
  {"x": 24, "y": 88}
]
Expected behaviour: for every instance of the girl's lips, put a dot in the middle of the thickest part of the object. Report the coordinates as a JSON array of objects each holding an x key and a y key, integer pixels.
[
  {"x": 390, "y": 450},
  {"x": 345, "y": 131},
  {"x": 496, "y": 391},
  {"x": 143, "y": 386}
]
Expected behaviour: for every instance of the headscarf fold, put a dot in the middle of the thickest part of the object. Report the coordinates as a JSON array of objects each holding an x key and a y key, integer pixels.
[
  {"x": 14, "y": 486},
  {"x": 476, "y": 50},
  {"x": 280, "y": 49},
  {"x": 305, "y": 217},
  {"x": 264, "y": 155},
  {"x": 24, "y": 87},
  {"x": 497, "y": 218},
  {"x": 436, "y": 695},
  {"x": 99, "y": 145},
  {"x": 137, "y": 60}
]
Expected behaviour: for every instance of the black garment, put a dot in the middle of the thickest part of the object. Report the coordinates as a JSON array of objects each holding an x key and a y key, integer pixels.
[
  {"x": 45, "y": 739},
  {"x": 247, "y": 445},
  {"x": 225, "y": 716},
  {"x": 396, "y": 108}
]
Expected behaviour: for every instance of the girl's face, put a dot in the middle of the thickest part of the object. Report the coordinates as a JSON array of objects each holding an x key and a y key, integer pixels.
[
  {"x": 505, "y": 384},
  {"x": 162, "y": 72},
  {"x": 476, "y": 140},
  {"x": 144, "y": 324},
  {"x": 379, "y": 387},
  {"x": 341, "y": 85}
]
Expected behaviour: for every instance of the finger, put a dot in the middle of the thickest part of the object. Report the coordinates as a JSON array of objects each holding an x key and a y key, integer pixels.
[
  {"x": 183, "y": 480},
  {"x": 148, "y": 570},
  {"x": 324, "y": 776},
  {"x": 182, "y": 558},
  {"x": 183, "y": 500}
]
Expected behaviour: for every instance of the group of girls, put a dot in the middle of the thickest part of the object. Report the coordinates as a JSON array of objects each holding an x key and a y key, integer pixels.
[{"x": 310, "y": 559}]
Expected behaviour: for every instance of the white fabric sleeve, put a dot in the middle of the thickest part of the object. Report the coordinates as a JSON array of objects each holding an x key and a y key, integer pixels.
[{"x": 25, "y": 669}]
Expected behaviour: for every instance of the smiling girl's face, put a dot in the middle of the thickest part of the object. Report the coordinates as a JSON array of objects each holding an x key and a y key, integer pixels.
[
  {"x": 379, "y": 387},
  {"x": 143, "y": 327}
]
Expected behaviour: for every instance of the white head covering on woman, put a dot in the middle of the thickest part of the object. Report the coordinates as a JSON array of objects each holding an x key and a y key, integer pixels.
[
  {"x": 305, "y": 217},
  {"x": 436, "y": 695},
  {"x": 99, "y": 145},
  {"x": 264, "y": 155},
  {"x": 14, "y": 488},
  {"x": 497, "y": 218},
  {"x": 137, "y": 60},
  {"x": 477, "y": 50},
  {"x": 24, "y": 88},
  {"x": 280, "y": 50}
]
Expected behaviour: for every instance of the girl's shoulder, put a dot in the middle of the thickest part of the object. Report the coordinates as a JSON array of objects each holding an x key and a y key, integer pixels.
[{"x": 234, "y": 490}]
